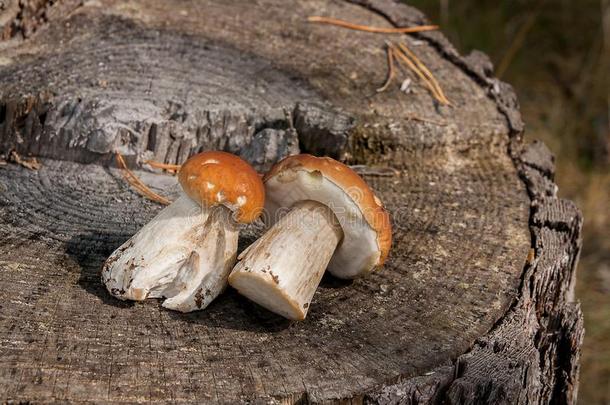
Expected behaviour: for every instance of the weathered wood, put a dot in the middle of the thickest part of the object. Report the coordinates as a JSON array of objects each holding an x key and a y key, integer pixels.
[
  {"x": 474, "y": 304},
  {"x": 21, "y": 18}
]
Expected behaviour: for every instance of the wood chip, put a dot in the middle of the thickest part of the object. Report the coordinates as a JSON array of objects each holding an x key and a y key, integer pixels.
[{"x": 28, "y": 163}]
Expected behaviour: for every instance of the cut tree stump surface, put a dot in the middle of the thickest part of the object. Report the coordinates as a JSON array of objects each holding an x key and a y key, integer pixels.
[{"x": 474, "y": 304}]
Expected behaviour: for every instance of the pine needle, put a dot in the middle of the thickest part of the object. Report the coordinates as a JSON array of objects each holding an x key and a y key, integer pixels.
[
  {"x": 441, "y": 95},
  {"x": 367, "y": 28},
  {"x": 165, "y": 166},
  {"x": 375, "y": 171},
  {"x": 137, "y": 184},
  {"x": 426, "y": 120},
  {"x": 414, "y": 64},
  {"x": 399, "y": 52},
  {"x": 401, "y": 57},
  {"x": 391, "y": 72}
]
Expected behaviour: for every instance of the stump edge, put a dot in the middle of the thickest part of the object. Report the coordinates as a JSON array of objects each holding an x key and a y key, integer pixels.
[{"x": 532, "y": 353}]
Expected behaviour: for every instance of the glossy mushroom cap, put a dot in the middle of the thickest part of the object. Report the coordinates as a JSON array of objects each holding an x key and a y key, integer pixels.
[
  {"x": 220, "y": 178},
  {"x": 365, "y": 222}
]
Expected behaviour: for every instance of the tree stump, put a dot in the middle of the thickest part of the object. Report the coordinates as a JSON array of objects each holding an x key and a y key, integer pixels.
[{"x": 475, "y": 304}]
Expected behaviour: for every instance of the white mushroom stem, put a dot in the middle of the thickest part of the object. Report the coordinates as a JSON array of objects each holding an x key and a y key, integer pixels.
[
  {"x": 184, "y": 255},
  {"x": 281, "y": 271}
]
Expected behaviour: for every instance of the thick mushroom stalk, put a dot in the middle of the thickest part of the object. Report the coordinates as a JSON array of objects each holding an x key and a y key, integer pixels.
[
  {"x": 184, "y": 255},
  {"x": 281, "y": 270},
  {"x": 335, "y": 221}
]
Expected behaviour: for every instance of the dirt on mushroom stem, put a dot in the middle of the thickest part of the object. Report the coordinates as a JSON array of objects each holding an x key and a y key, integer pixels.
[
  {"x": 196, "y": 253},
  {"x": 281, "y": 270}
]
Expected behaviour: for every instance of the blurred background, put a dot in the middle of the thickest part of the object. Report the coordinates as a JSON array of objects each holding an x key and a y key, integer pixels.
[{"x": 556, "y": 54}]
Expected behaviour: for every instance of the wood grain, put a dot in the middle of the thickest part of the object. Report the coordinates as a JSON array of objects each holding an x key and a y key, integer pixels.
[{"x": 473, "y": 306}]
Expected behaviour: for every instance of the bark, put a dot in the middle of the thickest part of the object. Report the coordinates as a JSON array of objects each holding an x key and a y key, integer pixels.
[{"x": 475, "y": 304}]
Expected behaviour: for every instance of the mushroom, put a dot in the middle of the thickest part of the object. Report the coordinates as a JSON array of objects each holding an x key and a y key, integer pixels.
[
  {"x": 186, "y": 252},
  {"x": 332, "y": 220}
]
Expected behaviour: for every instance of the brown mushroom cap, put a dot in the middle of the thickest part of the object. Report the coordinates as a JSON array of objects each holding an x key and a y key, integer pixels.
[
  {"x": 347, "y": 180},
  {"x": 214, "y": 178}
]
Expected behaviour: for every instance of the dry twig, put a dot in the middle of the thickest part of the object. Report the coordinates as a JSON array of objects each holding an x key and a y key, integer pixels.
[
  {"x": 367, "y": 28},
  {"x": 136, "y": 183}
]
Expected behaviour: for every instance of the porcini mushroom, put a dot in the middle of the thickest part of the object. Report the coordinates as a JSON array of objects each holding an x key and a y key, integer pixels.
[
  {"x": 186, "y": 252},
  {"x": 333, "y": 220}
]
